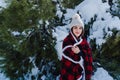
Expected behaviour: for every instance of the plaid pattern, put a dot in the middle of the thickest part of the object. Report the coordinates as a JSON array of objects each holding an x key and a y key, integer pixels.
[{"x": 70, "y": 70}]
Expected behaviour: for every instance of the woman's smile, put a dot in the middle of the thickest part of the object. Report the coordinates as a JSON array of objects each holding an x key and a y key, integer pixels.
[{"x": 77, "y": 30}]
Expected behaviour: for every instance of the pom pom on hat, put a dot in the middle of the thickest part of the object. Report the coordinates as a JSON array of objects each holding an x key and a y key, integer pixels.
[{"x": 76, "y": 20}]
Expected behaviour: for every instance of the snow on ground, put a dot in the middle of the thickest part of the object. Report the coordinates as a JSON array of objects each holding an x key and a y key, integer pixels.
[{"x": 101, "y": 74}]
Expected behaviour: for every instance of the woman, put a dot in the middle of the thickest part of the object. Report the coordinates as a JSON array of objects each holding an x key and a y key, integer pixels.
[{"x": 77, "y": 56}]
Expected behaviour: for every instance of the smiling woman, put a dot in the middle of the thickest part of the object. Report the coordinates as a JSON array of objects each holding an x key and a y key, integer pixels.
[
  {"x": 77, "y": 30},
  {"x": 77, "y": 56}
]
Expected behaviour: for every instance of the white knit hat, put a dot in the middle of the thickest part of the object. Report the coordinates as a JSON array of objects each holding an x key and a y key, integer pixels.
[{"x": 76, "y": 20}]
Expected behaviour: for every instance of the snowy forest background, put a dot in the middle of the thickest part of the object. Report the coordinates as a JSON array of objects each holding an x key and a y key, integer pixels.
[{"x": 32, "y": 31}]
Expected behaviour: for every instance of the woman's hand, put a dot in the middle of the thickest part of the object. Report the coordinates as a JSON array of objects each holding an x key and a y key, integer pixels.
[{"x": 75, "y": 49}]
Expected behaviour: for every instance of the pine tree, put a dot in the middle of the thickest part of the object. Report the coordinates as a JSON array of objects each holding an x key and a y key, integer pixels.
[
  {"x": 33, "y": 45},
  {"x": 71, "y": 3},
  {"x": 110, "y": 56}
]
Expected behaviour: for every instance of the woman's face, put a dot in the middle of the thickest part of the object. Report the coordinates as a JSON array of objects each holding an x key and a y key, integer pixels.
[{"x": 77, "y": 30}]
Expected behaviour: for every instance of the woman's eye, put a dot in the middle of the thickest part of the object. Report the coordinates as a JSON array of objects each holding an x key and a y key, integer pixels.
[
  {"x": 80, "y": 28},
  {"x": 75, "y": 27}
]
